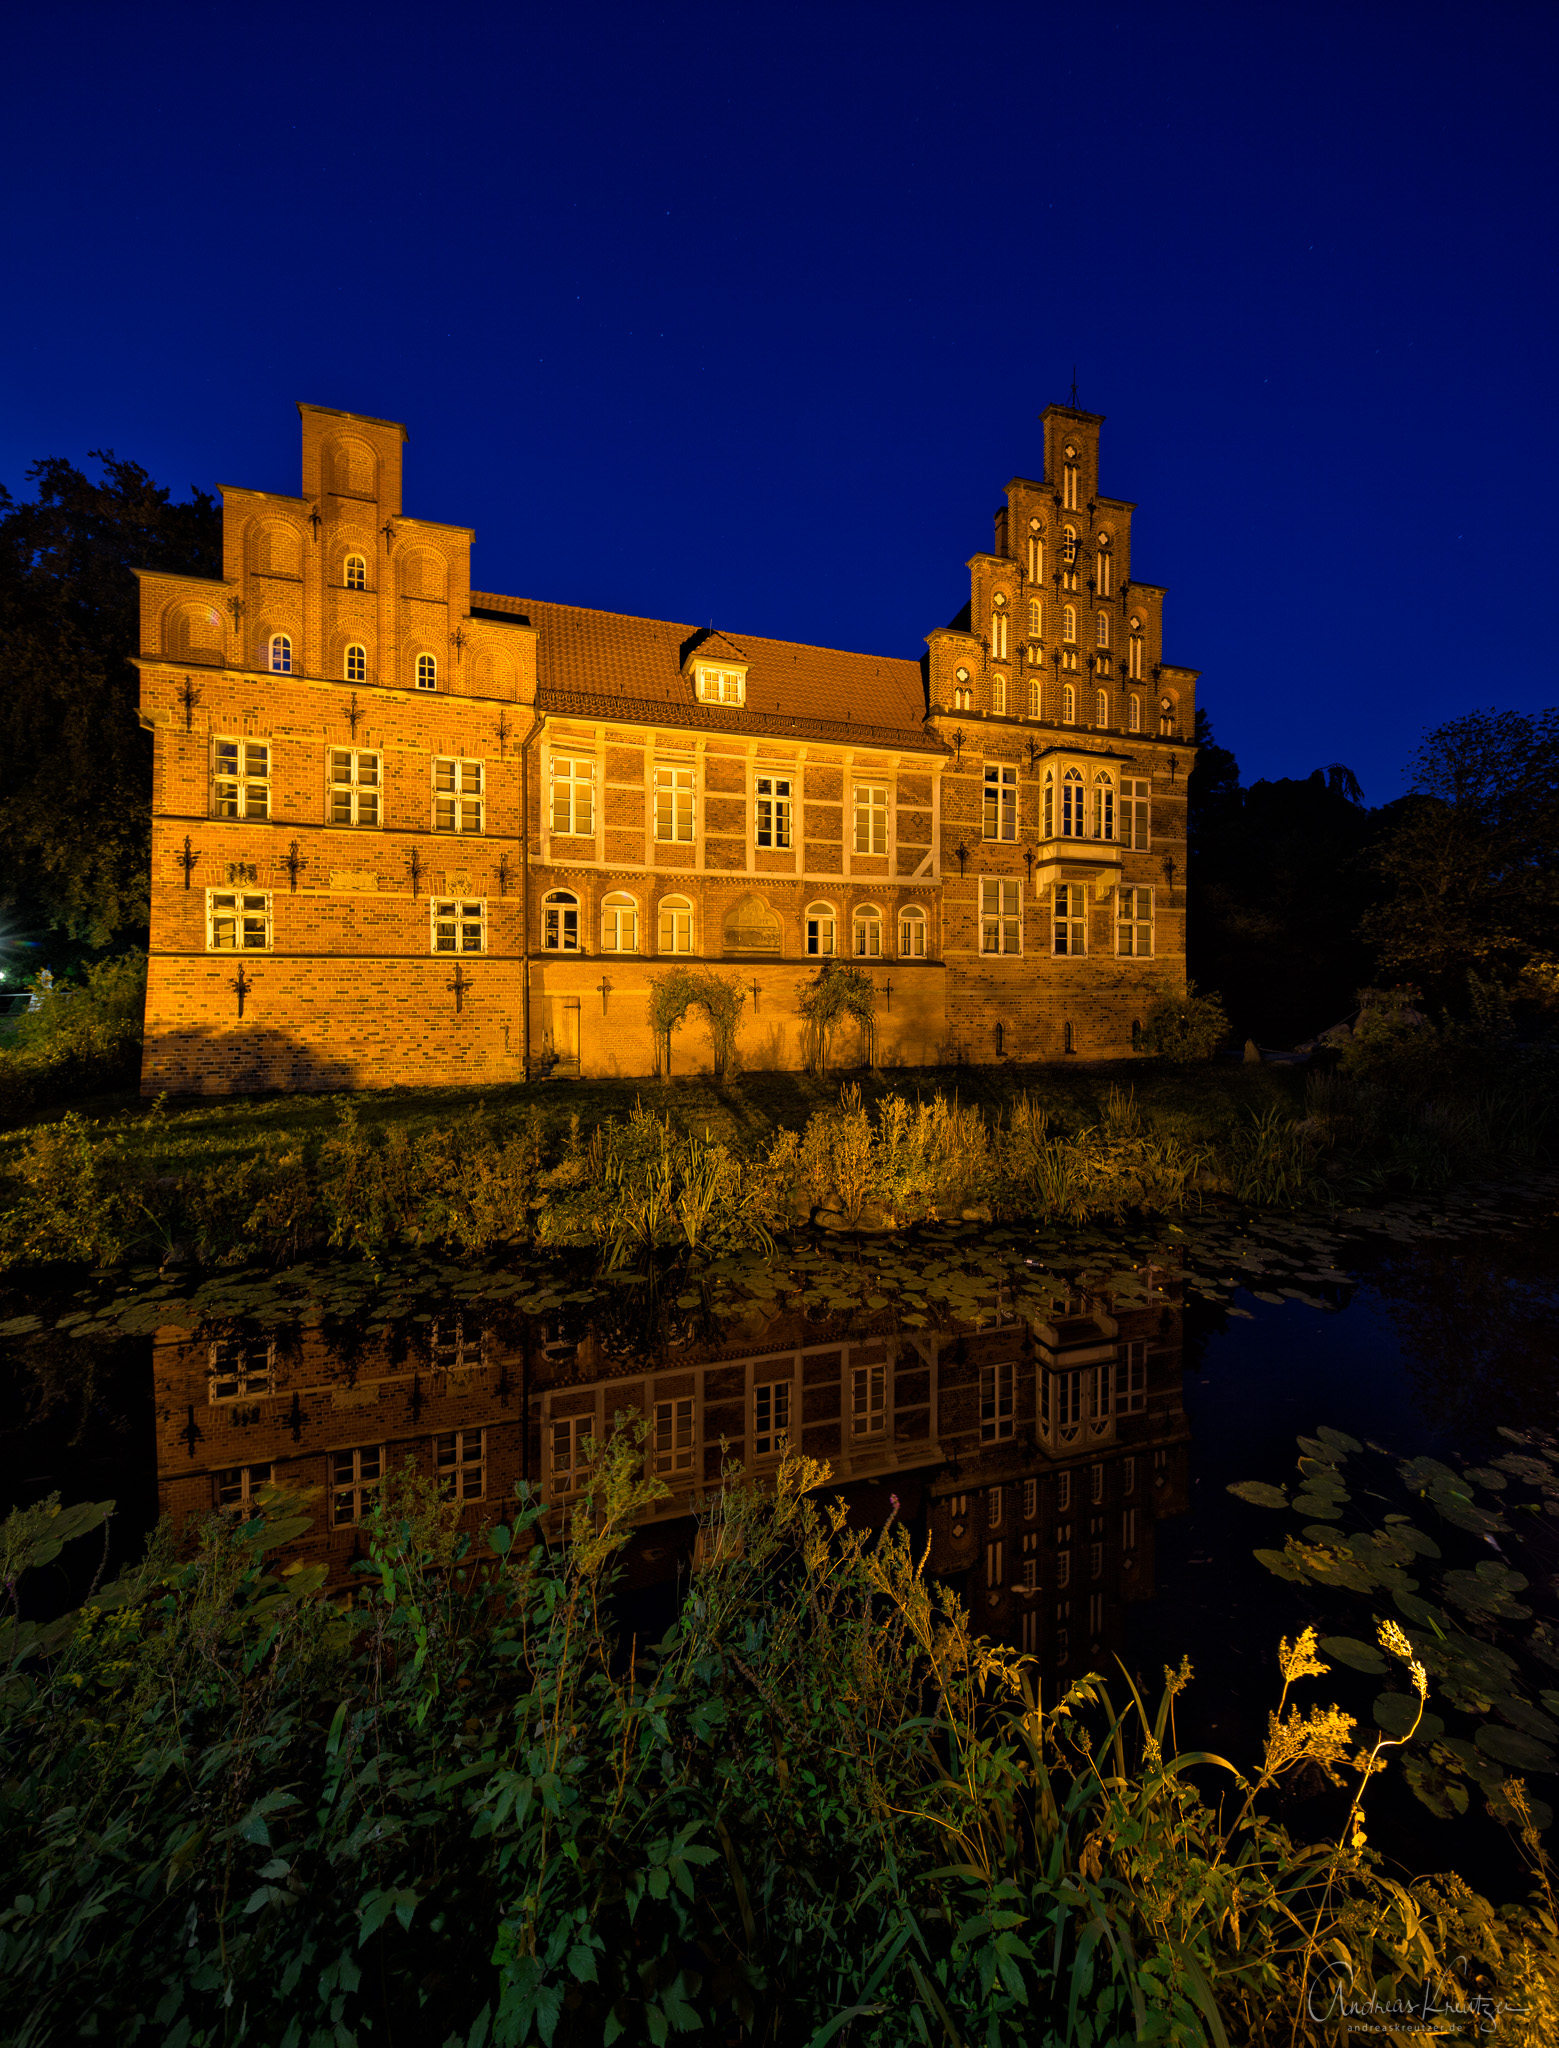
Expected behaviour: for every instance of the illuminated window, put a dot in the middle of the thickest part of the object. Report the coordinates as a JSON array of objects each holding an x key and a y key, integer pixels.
[
  {"x": 458, "y": 927},
  {"x": 1102, "y": 629},
  {"x": 1036, "y": 618},
  {"x": 1104, "y": 573},
  {"x": 427, "y": 672},
  {"x": 1134, "y": 657},
  {"x": 457, "y": 795},
  {"x": 560, "y": 922},
  {"x": 1134, "y": 923},
  {"x": 1134, "y": 713},
  {"x": 871, "y": 817},
  {"x": 820, "y": 928},
  {"x": 1069, "y": 558},
  {"x": 355, "y": 779},
  {"x": 460, "y": 1463},
  {"x": 674, "y": 803},
  {"x": 963, "y": 700},
  {"x": 999, "y": 695},
  {"x": 1069, "y": 934},
  {"x": 619, "y": 925},
  {"x": 999, "y": 635},
  {"x": 770, "y": 1418},
  {"x": 1036, "y": 564},
  {"x": 241, "y": 779},
  {"x": 356, "y": 573},
  {"x": 1074, "y": 815},
  {"x": 676, "y": 925},
  {"x": 1101, "y": 708},
  {"x": 774, "y": 811},
  {"x": 721, "y": 685},
  {"x": 1000, "y": 819},
  {"x": 281, "y": 654},
  {"x": 1034, "y": 699},
  {"x": 355, "y": 1477},
  {"x": 356, "y": 666},
  {"x": 867, "y": 925},
  {"x": 573, "y": 795},
  {"x": 1069, "y": 486},
  {"x": 1001, "y": 917},
  {"x": 238, "y": 921},
  {"x": 912, "y": 933},
  {"x": 1069, "y": 623},
  {"x": 1103, "y": 807}
]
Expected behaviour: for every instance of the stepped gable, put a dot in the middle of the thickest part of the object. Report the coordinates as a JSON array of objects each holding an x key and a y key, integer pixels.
[{"x": 609, "y": 665}]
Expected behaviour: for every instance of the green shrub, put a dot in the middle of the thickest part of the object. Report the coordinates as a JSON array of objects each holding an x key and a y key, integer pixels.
[
  {"x": 83, "y": 1039},
  {"x": 1185, "y": 1029}
]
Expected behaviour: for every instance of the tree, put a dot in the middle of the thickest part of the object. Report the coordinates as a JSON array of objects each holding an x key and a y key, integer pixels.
[
  {"x": 1470, "y": 857},
  {"x": 720, "y": 997},
  {"x": 75, "y": 767}
]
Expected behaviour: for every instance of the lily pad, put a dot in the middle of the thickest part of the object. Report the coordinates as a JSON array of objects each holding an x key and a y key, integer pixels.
[
  {"x": 1325, "y": 1507},
  {"x": 1485, "y": 1475},
  {"x": 1280, "y": 1563},
  {"x": 1259, "y": 1493},
  {"x": 1349, "y": 1650},
  {"x": 1515, "y": 1747},
  {"x": 1445, "y": 1797},
  {"x": 1396, "y": 1712},
  {"x": 1339, "y": 1440}
]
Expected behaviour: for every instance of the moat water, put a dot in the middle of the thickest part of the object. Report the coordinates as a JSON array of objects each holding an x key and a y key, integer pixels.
[{"x": 1060, "y": 1413}]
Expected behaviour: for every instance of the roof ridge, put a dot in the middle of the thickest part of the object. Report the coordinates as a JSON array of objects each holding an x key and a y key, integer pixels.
[{"x": 680, "y": 625}]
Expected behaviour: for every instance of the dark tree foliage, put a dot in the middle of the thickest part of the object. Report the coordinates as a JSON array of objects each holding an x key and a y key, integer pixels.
[
  {"x": 1279, "y": 873},
  {"x": 75, "y": 767},
  {"x": 1470, "y": 858}
]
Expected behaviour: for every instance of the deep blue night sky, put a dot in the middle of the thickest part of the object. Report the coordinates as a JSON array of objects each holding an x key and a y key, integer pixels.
[{"x": 748, "y": 314}]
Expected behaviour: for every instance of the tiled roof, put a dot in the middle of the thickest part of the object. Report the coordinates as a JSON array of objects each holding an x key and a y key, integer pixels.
[{"x": 606, "y": 665}]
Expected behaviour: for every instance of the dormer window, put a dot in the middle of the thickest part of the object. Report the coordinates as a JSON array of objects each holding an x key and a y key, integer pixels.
[{"x": 721, "y": 685}]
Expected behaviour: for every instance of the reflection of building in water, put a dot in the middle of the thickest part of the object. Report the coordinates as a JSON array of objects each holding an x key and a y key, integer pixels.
[{"x": 1038, "y": 1456}]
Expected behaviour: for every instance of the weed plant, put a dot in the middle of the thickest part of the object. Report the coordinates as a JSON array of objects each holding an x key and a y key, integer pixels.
[{"x": 455, "y": 1810}]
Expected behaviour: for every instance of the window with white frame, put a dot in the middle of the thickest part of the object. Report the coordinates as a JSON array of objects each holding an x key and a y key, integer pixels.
[
  {"x": 457, "y": 795},
  {"x": 1063, "y": 1569},
  {"x": 995, "y": 1403},
  {"x": 356, "y": 577},
  {"x": 1030, "y": 1499},
  {"x": 1134, "y": 657},
  {"x": 675, "y": 917},
  {"x": 1069, "y": 623},
  {"x": 458, "y": 927},
  {"x": 821, "y": 928},
  {"x": 1069, "y": 558},
  {"x": 912, "y": 932},
  {"x": 356, "y": 776},
  {"x": 770, "y": 1418},
  {"x": 570, "y": 1446},
  {"x": 1134, "y": 923},
  {"x": 1001, "y": 801},
  {"x": 1069, "y": 919},
  {"x": 447, "y": 1344},
  {"x": 999, "y": 695},
  {"x": 460, "y": 1464},
  {"x": 721, "y": 685},
  {"x": 1104, "y": 569},
  {"x": 1069, "y": 661},
  {"x": 994, "y": 1502},
  {"x": 1136, "y": 808},
  {"x": 773, "y": 824},
  {"x": 1101, "y": 708},
  {"x": 1074, "y": 812},
  {"x": 999, "y": 634},
  {"x": 1036, "y": 618},
  {"x": 867, "y": 924},
  {"x": 281, "y": 654},
  {"x": 674, "y": 803},
  {"x": 868, "y": 1394},
  {"x": 1001, "y": 917},
  {"x": 619, "y": 925},
  {"x": 1034, "y": 697},
  {"x": 238, "y": 920},
  {"x": 1101, "y": 630},
  {"x": 238, "y": 1486},
  {"x": 1131, "y": 1385},
  {"x": 427, "y": 671},
  {"x": 240, "y": 1369},
  {"x": 1069, "y": 486},
  {"x": 356, "y": 665},
  {"x": 1064, "y": 1493},
  {"x": 573, "y": 796},
  {"x": 1166, "y": 717},
  {"x": 871, "y": 817},
  {"x": 355, "y": 1477},
  {"x": 1134, "y": 713},
  {"x": 1103, "y": 820},
  {"x": 673, "y": 1438},
  {"x": 560, "y": 922},
  {"x": 241, "y": 779},
  {"x": 963, "y": 699},
  {"x": 1036, "y": 559}
]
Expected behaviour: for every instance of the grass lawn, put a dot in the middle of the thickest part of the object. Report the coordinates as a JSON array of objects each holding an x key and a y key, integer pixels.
[{"x": 1189, "y": 1102}]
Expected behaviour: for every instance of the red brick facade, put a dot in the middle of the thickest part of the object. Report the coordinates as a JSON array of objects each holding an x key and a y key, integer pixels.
[{"x": 384, "y": 802}]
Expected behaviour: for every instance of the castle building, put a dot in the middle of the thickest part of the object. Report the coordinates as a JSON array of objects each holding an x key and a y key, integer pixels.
[{"x": 409, "y": 832}]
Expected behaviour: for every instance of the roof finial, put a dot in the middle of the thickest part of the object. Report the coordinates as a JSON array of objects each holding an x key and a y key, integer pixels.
[{"x": 1074, "y": 387}]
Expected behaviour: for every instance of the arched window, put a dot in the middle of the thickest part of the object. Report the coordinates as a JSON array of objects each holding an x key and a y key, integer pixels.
[
  {"x": 1134, "y": 714},
  {"x": 1166, "y": 715},
  {"x": 821, "y": 927},
  {"x": 1134, "y": 657},
  {"x": 281, "y": 654},
  {"x": 1074, "y": 822},
  {"x": 356, "y": 573},
  {"x": 868, "y": 932},
  {"x": 1036, "y": 618},
  {"x": 427, "y": 671},
  {"x": 1104, "y": 571},
  {"x": 1069, "y": 558},
  {"x": 676, "y": 924},
  {"x": 1103, "y": 807},
  {"x": 963, "y": 700},
  {"x": 1101, "y": 631},
  {"x": 1034, "y": 698},
  {"x": 356, "y": 664},
  {"x": 912, "y": 932},
  {"x": 560, "y": 922},
  {"x": 1069, "y": 623},
  {"x": 1036, "y": 557},
  {"x": 1050, "y": 805},
  {"x": 619, "y": 925},
  {"x": 1068, "y": 705},
  {"x": 1101, "y": 708},
  {"x": 999, "y": 694},
  {"x": 999, "y": 633}
]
